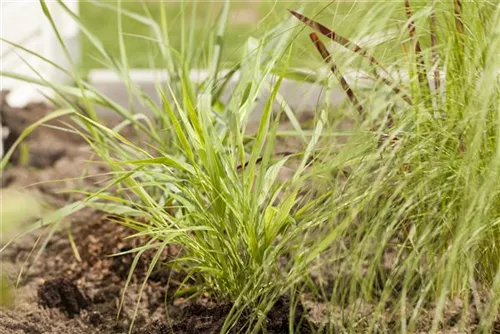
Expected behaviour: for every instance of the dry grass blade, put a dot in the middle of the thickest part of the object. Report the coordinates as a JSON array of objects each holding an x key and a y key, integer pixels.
[
  {"x": 421, "y": 71},
  {"x": 458, "y": 13},
  {"x": 328, "y": 59},
  {"x": 435, "y": 56},
  {"x": 411, "y": 27},
  {"x": 345, "y": 42},
  {"x": 457, "y": 8}
]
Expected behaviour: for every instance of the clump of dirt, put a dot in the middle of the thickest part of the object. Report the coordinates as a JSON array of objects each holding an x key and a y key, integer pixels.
[{"x": 63, "y": 294}]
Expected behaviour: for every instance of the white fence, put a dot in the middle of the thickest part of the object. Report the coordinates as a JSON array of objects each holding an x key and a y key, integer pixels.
[{"x": 23, "y": 22}]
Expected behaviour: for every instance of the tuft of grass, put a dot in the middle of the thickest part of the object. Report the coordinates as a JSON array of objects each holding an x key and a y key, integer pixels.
[{"x": 421, "y": 224}]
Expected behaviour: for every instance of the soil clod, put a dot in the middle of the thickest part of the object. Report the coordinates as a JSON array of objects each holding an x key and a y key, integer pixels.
[{"x": 62, "y": 294}]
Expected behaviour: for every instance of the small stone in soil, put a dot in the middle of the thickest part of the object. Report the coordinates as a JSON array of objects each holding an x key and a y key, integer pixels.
[
  {"x": 95, "y": 318},
  {"x": 63, "y": 294}
]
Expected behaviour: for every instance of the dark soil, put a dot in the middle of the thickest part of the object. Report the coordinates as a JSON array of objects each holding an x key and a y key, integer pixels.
[
  {"x": 63, "y": 294},
  {"x": 78, "y": 289},
  {"x": 209, "y": 318}
]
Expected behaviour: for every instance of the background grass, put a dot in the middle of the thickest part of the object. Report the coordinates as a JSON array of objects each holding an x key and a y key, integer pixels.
[
  {"x": 246, "y": 18},
  {"x": 243, "y": 21}
]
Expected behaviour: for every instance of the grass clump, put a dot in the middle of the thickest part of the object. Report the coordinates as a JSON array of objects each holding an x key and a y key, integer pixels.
[
  {"x": 385, "y": 229},
  {"x": 423, "y": 204}
]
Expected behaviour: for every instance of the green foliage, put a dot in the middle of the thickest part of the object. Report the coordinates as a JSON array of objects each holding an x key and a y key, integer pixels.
[{"x": 5, "y": 292}]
